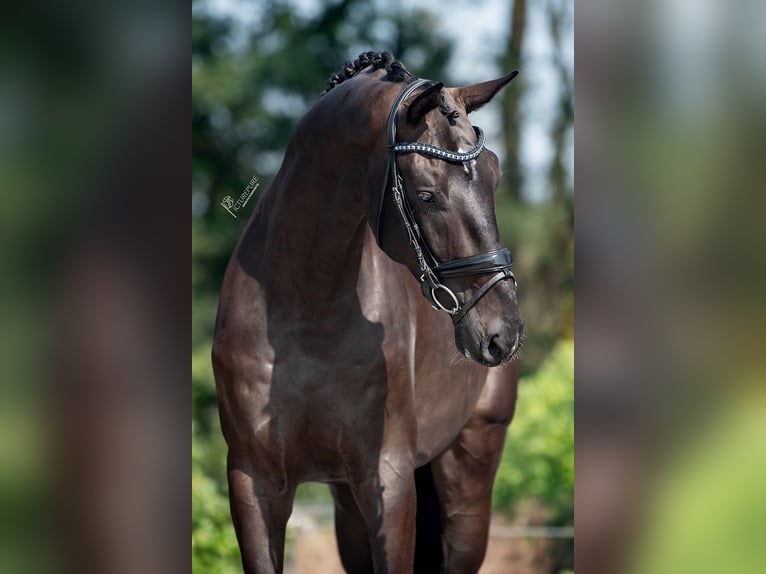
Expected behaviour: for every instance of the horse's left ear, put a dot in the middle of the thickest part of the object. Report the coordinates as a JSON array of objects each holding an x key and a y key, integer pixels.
[
  {"x": 424, "y": 103},
  {"x": 474, "y": 96}
]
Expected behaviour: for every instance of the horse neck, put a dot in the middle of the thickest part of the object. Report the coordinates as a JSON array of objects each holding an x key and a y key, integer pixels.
[{"x": 315, "y": 229}]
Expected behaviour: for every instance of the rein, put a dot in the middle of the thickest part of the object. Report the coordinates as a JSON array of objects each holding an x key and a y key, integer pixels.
[{"x": 497, "y": 262}]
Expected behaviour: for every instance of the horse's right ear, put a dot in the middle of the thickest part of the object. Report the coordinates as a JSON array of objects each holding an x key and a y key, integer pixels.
[{"x": 426, "y": 101}]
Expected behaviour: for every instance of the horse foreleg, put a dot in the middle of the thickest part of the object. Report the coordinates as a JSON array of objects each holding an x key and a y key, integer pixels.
[
  {"x": 351, "y": 532},
  {"x": 260, "y": 511},
  {"x": 387, "y": 501},
  {"x": 464, "y": 473}
]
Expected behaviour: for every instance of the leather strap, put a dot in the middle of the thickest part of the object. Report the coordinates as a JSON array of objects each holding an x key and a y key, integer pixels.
[
  {"x": 391, "y": 173},
  {"x": 489, "y": 262},
  {"x": 465, "y": 307}
]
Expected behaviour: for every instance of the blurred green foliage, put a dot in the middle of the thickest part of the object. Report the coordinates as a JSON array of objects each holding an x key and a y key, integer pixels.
[
  {"x": 214, "y": 545},
  {"x": 705, "y": 514},
  {"x": 542, "y": 242},
  {"x": 538, "y": 461}
]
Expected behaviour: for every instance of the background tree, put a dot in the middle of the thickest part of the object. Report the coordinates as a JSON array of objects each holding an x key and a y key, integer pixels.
[{"x": 512, "y": 59}]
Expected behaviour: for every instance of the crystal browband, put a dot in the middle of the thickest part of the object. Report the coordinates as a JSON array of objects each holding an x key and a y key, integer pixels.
[{"x": 454, "y": 156}]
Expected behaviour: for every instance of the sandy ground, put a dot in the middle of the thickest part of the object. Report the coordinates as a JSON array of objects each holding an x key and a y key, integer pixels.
[{"x": 315, "y": 552}]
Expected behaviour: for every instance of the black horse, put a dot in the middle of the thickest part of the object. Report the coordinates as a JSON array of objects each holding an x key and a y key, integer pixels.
[{"x": 374, "y": 247}]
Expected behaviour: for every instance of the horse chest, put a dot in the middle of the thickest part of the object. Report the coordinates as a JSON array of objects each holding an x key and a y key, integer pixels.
[{"x": 445, "y": 398}]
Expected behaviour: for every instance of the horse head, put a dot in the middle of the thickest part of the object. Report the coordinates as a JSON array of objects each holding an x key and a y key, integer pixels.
[{"x": 436, "y": 215}]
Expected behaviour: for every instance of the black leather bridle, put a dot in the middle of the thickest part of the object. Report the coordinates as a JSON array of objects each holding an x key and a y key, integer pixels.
[{"x": 497, "y": 262}]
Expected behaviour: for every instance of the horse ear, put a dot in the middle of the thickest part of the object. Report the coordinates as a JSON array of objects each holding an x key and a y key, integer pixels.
[
  {"x": 424, "y": 103},
  {"x": 474, "y": 96}
]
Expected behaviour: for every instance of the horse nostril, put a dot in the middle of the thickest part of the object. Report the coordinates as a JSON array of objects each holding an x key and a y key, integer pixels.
[{"x": 493, "y": 349}]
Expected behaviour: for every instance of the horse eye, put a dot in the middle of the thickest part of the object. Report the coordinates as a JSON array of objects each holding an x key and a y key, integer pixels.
[{"x": 426, "y": 197}]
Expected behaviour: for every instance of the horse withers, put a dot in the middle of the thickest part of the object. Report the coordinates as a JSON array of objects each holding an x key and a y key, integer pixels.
[{"x": 368, "y": 329}]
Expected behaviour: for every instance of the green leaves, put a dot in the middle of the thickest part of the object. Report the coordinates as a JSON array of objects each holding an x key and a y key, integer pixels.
[
  {"x": 214, "y": 545},
  {"x": 538, "y": 461}
]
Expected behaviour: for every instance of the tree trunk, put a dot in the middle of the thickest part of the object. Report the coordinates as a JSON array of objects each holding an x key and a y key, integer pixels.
[
  {"x": 564, "y": 117},
  {"x": 561, "y": 198},
  {"x": 512, "y": 99}
]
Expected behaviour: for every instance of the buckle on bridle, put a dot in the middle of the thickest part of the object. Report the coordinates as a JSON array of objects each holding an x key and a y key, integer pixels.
[{"x": 436, "y": 304}]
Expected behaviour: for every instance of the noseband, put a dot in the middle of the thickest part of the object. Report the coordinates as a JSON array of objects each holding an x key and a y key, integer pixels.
[{"x": 497, "y": 262}]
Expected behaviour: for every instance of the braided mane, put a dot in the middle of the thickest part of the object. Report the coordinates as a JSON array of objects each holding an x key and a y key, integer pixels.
[{"x": 378, "y": 60}]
